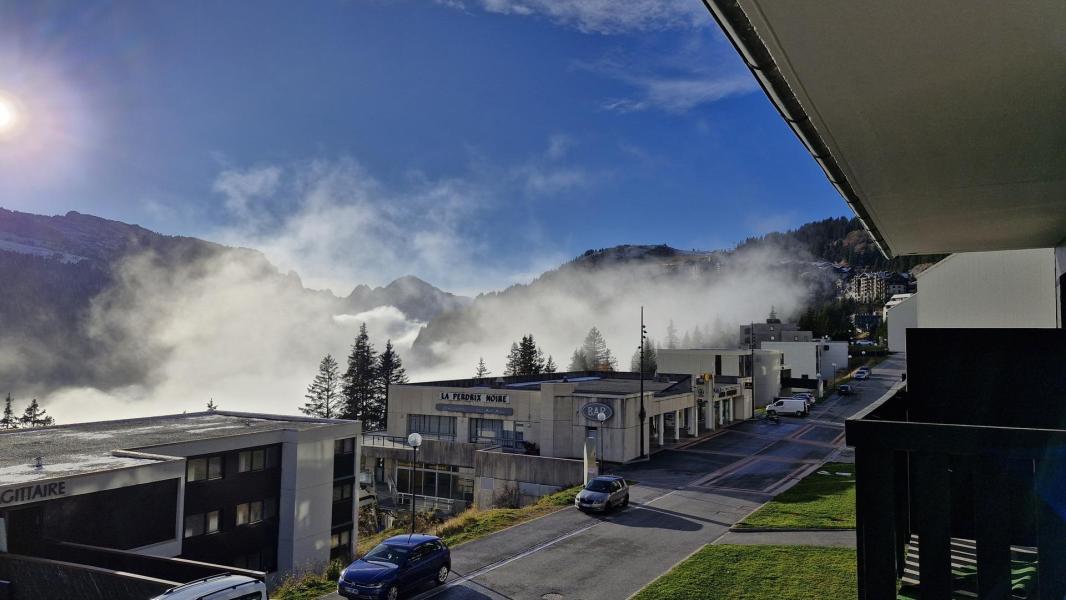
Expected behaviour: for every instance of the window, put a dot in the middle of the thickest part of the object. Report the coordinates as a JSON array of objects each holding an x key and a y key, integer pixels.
[
  {"x": 345, "y": 446},
  {"x": 251, "y": 460},
  {"x": 254, "y": 512},
  {"x": 342, "y": 492},
  {"x": 263, "y": 560},
  {"x": 340, "y": 539},
  {"x": 431, "y": 425},
  {"x": 211, "y": 522},
  {"x": 199, "y": 469},
  {"x": 486, "y": 428},
  {"x": 194, "y": 525}
]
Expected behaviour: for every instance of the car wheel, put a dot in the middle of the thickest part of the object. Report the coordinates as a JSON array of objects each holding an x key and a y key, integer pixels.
[
  {"x": 393, "y": 593},
  {"x": 442, "y": 574}
]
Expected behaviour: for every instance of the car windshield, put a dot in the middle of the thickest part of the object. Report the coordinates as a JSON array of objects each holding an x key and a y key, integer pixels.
[
  {"x": 598, "y": 485},
  {"x": 387, "y": 553}
]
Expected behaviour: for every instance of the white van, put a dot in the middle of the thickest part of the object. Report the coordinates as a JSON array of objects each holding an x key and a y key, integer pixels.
[
  {"x": 218, "y": 587},
  {"x": 795, "y": 406}
]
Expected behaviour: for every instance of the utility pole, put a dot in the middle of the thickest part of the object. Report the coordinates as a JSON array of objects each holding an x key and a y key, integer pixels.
[
  {"x": 751, "y": 342},
  {"x": 643, "y": 414}
]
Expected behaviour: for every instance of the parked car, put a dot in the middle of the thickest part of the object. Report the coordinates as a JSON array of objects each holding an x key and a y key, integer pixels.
[
  {"x": 603, "y": 493},
  {"x": 806, "y": 397},
  {"x": 845, "y": 390},
  {"x": 397, "y": 565},
  {"x": 795, "y": 406},
  {"x": 218, "y": 587}
]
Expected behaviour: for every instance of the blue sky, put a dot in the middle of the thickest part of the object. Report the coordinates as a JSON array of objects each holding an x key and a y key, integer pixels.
[{"x": 473, "y": 143}]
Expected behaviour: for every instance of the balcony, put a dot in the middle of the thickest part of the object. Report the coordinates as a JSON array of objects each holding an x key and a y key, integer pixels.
[{"x": 966, "y": 461}]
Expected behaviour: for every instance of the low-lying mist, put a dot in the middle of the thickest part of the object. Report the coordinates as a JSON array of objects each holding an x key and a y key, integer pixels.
[{"x": 234, "y": 330}]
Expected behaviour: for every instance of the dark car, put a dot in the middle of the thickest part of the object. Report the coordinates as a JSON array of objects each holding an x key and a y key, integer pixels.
[
  {"x": 397, "y": 565},
  {"x": 603, "y": 493},
  {"x": 845, "y": 390}
]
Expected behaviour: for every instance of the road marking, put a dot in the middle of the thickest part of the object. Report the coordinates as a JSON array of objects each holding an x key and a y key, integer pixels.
[{"x": 530, "y": 551}]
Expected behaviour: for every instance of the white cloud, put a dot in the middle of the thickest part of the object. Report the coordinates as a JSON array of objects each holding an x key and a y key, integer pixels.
[
  {"x": 680, "y": 94},
  {"x": 601, "y": 16}
]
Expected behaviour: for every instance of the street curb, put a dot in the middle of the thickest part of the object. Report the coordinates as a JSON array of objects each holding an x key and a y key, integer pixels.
[{"x": 786, "y": 529}]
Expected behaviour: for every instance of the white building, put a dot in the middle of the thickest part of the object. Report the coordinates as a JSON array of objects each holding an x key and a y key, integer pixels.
[
  {"x": 732, "y": 366},
  {"x": 252, "y": 491},
  {"x": 821, "y": 360},
  {"x": 895, "y": 300}
]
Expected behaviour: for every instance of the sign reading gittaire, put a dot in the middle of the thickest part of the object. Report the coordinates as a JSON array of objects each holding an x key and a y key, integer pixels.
[
  {"x": 593, "y": 410},
  {"x": 29, "y": 493}
]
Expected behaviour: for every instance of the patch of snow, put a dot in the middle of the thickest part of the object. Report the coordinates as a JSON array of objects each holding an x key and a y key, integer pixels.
[
  {"x": 206, "y": 429},
  {"x": 21, "y": 248},
  {"x": 72, "y": 464}
]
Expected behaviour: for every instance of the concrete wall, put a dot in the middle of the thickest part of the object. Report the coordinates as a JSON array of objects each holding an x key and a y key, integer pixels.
[
  {"x": 902, "y": 317},
  {"x": 40, "y": 579},
  {"x": 1013, "y": 288},
  {"x": 305, "y": 509},
  {"x": 505, "y": 478},
  {"x": 802, "y": 357}
]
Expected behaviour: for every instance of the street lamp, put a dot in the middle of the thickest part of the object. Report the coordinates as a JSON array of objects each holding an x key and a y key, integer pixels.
[
  {"x": 643, "y": 414},
  {"x": 601, "y": 417},
  {"x": 414, "y": 441}
]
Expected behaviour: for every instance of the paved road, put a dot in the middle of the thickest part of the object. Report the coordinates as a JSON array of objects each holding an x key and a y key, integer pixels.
[{"x": 685, "y": 498}]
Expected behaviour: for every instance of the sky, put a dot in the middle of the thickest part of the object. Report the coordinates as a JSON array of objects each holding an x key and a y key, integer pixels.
[{"x": 473, "y": 143}]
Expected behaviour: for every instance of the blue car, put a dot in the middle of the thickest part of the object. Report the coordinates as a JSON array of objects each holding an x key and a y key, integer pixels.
[{"x": 397, "y": 565}]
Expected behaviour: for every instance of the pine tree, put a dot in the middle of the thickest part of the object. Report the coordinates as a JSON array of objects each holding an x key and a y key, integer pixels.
[
  {"x": 530, "y": 357},
  {"x": 597, "y": 354},
  {"x": 9, "y": 421},
  {"x": 211, "y": 406},
  {"x": 671, "y": 335},
  {"x": 482, "y": 370},
  {"x": 549, "y": 365},
  {"x": 390, "y": 372},
  {"x": 514, "y": 361},
  {"x": 578, "y": 362},
  {"x": 35, "y": 416},
  {"x": 360, "y": 384},
  {"x": 323, "y": 395},
  {"x": 651, "y": 361}
]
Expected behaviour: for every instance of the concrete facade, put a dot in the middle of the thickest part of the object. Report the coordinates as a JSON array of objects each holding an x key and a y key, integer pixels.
[
  {"x": 900, "y": 318},
  {"x": 733, "y": 364},
  {"x": 1010, "y": 288}
]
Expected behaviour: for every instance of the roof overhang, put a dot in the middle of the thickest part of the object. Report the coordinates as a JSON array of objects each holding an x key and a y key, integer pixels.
[{"x": 942, "y": 124}]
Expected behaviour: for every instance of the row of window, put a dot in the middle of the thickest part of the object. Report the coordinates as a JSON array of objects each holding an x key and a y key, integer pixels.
[
  {"x": 441, "y": 482},
  {"x": 246, "y": 513},
  {"x": 480, "y": 429},
  {"x": 342, "y": 491},
  {"x": 211, "y": 467},
  {"x": 340, "y": 539}
]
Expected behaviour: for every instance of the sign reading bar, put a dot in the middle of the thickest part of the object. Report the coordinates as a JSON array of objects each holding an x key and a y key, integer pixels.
[
  {"x": 466, "y": 397},
  {"x": 481, "y": 410},
  {"x": 29, "y": 493},
  {"x": 593, "y": 410}
]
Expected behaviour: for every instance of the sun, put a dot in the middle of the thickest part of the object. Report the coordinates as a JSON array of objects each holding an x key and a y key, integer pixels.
[{"x": 8, "y": 114}]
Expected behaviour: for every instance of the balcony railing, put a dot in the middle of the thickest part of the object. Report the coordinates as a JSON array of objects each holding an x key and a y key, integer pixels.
[
  {"x": 998, "y": 490},
  {"x": 382, "y": 439}
]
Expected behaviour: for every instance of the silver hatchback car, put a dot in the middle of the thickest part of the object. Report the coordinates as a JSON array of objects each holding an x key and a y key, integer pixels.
[{"x": 603, "y": 493}]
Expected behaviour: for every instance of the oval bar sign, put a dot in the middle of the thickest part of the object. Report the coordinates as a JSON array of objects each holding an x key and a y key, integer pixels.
[{"x": 593, "y": 410}]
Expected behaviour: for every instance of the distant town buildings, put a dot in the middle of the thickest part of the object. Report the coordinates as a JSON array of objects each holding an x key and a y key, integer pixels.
[
  {"x": 874, "y": 287},
  {"x": 773, "y": 330}
]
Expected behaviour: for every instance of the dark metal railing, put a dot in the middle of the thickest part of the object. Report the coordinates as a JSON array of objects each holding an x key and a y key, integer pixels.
[
  {"x": 380, "y": 438},
  {"x": 1002, "y": 487}
]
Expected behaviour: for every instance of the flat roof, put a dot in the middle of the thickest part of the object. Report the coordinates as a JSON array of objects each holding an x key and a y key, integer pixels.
[
  {"x": 80, "y": 448},
  {"x": 614, "y": 383}
]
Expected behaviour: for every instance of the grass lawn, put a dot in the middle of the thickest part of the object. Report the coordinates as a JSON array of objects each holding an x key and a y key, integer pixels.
[
  {"x": 468, "y": 525},
  {"x": 823, "y": 501},
  {"x": 759, "y": 573}
]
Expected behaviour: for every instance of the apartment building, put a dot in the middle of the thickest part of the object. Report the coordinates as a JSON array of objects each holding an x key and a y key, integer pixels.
[{"x": 260, "y": 492}]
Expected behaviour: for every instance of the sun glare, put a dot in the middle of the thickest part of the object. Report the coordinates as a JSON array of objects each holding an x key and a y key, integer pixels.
[{"x": 8, "y": 116}]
